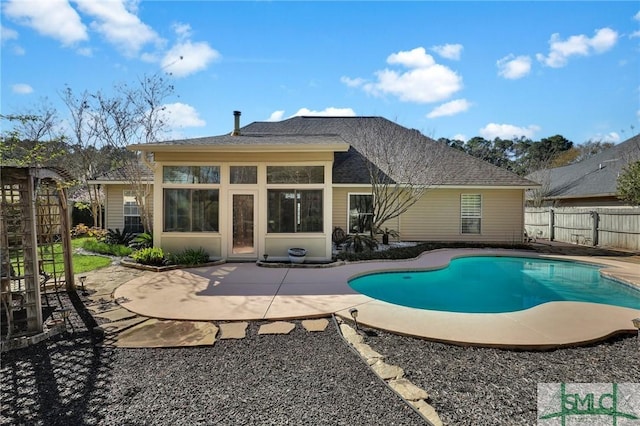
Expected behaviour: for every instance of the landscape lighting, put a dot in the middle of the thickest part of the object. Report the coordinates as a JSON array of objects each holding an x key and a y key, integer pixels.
[{"x": 354, "y": 315}]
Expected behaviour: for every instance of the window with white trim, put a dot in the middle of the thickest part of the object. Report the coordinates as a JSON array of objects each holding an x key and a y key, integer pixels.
[
  {"x": 470, "y": 213},
  {"x": 131, "y": 212},
  {"x": 360, "y": 213}
]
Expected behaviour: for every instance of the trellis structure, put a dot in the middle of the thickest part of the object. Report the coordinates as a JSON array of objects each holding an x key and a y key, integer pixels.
[{"x": 35, "y": 245}]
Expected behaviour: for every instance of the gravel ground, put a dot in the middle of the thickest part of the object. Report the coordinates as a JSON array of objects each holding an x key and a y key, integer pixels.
[
  {"x": 300, "y": 378},
  {"x": 480, "y": 386}
]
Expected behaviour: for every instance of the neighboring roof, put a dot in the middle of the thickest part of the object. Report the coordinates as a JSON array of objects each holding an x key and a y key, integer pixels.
[
  {"x": 592, "y": 177},
  {"x": 120, "y": 175},
  {"x": 350, "y": 168}
]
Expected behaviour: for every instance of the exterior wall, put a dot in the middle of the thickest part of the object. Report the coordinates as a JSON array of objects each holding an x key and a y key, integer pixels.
[
  {"x": 114, "y": 209},
  {"x": 217, "y": 244},
  {"x": 436, "y": 217}
]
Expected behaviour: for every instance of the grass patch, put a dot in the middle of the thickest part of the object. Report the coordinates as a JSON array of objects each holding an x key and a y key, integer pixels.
[{"x": 103, "y": 248}]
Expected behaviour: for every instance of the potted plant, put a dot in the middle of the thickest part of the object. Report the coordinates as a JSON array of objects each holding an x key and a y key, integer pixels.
[{"x": 297, "y": 254}]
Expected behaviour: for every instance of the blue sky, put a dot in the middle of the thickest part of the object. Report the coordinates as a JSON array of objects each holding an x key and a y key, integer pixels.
[{"x": 449, "y": 69}]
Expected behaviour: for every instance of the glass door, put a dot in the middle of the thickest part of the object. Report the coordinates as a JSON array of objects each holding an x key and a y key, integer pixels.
[{"x": 243, "y": 224}]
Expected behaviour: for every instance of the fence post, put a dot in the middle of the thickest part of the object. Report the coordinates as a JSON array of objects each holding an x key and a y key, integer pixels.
[
  {"x": 594, "y": 227},
  {"x": 551, "y": 225}
]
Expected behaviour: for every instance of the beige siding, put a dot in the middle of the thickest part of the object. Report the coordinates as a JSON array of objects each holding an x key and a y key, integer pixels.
[
  {"x": 114, "y": 214},
  {"x": 277, "y": 246},
  {"x": 436, "y": 217},
  {"x": 114, "y": 210},
  {"x": 211, "y": 243}
]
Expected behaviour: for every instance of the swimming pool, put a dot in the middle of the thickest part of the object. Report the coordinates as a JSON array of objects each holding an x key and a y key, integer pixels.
[{"x": 491, "y": 284}]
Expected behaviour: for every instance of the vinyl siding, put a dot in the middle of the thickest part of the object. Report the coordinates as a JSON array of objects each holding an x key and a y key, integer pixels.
[
  {"x": 114, "y": 215},
  {"x": 436, "y": 217}
]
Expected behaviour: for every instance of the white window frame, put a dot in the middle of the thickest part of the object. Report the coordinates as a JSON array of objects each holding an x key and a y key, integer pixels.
[
  {"x": 349, "y": 209},
  {"x": 128, "y": 193},
  {"x": 470, "y": 212}
]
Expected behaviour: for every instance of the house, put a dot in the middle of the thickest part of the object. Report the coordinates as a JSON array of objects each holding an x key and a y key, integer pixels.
[
  {"x": 588, "y": 183},
  {"x": 270, "y": 186}
]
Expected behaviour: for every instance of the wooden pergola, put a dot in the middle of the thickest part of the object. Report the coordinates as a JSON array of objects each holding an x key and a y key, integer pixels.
[{"x": 35, "y": 244}]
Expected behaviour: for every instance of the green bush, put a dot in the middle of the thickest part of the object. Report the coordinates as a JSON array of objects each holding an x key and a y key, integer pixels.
[
  {"x": 114, "y": 236},
  {"x": 415, "y": 251},
  {"x": 144, "y": 240},
  {"x": 358, "y": 243},
  {"x": 190, "y": 257},
  {"x": 153, "y": 256},
  {"x": 105, "y": 248}
]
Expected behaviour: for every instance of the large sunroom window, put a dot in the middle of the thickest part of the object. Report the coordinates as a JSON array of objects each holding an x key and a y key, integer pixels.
[
  {"x": 471, "y": 213},
  {"x": 294, "y": 210},
  {"x": 360, "y": 213},
  {"x": 191, "y": 210}
]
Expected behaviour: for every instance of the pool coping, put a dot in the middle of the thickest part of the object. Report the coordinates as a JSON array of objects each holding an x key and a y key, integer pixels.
[{"x": 234, "y": 292}]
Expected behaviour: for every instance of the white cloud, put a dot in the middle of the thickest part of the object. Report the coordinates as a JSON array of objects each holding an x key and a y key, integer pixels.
[
  {"x": 186, "y": 58},
  {"x": 178, "y": 115},
  {"x": 613, "y": 137},
  {"x": 276, "y": 115},
  {"x": 450, "y": 108},
  {"x": 327, "y": 112},
  {"x": 52, "y": 18},
  {"x": 449, "y": 51},
  {"x": 21, "y": 89},
  {"x": 118, "y": 25},
  {"x": 634, "y": 34},
  {"x": 7, "y": 34},
  {"x": 578, "y": 45},
  {"x": 507, "y": 131},
  {"x": 424, "y": 82},
  {"x": 352, "y": 82},
  {"x": 637, "y": 16},
  {"x": 513, "y": 68},
  {"x": 460, "y": 137},
  {"x": 183, "y": 31},
  {"x": 85, "y": 51}
]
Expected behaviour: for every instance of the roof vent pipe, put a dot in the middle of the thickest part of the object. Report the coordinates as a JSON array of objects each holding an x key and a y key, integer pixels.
[{"x": 236, "y": 123}]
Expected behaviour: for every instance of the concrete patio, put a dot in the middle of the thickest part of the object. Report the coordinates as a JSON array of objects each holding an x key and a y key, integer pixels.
[{"x": 246, "y": 291}]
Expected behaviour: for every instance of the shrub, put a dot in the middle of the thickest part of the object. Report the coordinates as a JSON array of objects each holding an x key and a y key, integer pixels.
[
  {"x": 98, "y": 233},
  {"x": 114, "y": 236},
  {"x": 144, "y": 240},
  {"x": 153, "y": 256},
  {"x": 360, "y": 242},
  {"x": 338, "y": 236},
  {"x": 190, "y": 257},
  {"x": 79, "y": 230},
  {"x": 103, "y": 248}
]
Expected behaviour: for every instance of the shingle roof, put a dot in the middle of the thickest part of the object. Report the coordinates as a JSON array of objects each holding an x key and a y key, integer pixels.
[
  {"x": 594, "y": 176},
  {"x": 120, "y": 175},
  {"x": 256, "y": 139},
  {"x": 349, "y": 167}
]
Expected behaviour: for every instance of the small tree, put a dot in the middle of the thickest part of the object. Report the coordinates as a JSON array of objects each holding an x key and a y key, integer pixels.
[
  {"x": 402, "y": 165},
  {"x": 133, "y": 115},
  {"x": 629, "y": 183}
]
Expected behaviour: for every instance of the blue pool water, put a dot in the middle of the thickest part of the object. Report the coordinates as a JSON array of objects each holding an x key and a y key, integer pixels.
[{"x": 489, "y": 284}]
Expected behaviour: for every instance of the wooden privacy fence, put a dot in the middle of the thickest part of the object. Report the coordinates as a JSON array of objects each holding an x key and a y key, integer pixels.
[{"x": 615, "y": 227}]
